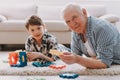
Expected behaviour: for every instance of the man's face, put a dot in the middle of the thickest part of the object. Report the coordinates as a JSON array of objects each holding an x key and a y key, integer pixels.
[{"x": 75, "y": 20}]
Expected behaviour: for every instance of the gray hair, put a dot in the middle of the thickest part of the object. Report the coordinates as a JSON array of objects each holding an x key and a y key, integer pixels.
[{"x": 71, "y": 6}]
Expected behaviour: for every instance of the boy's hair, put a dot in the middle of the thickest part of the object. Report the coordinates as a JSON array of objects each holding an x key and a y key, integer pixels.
[{"x": 34, "y": 20}]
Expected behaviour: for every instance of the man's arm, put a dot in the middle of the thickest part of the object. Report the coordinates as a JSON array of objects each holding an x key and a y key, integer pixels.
[{"x": 91, "y": 63}]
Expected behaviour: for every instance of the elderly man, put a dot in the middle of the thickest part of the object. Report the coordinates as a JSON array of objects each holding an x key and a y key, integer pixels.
[{"x": 97, "y": 39}]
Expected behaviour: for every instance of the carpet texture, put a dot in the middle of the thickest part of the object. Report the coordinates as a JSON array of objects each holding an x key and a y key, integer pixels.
[{"x": 5, "y": 69}]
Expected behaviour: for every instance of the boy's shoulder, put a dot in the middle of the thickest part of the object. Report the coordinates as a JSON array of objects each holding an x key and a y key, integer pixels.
[
  {"x": 48, "y": 35},
  {"x": 30, "y": 39}
]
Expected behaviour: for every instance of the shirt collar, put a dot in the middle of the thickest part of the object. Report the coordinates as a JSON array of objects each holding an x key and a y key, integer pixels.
[{"x": 88, "y": 28}]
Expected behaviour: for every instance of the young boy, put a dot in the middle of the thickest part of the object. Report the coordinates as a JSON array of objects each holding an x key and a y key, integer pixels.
[{"x": 39, "y": 43}]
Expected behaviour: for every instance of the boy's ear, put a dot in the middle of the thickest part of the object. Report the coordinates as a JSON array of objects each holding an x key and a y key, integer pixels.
[
  {"x": 28, "y": 31},
  {"x": 84, "y": 11}
]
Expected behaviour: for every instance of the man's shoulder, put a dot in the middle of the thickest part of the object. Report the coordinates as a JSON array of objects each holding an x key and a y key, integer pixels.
[
  {"x": 97, "y": 23},
  {"x": 95, "y": 20}
]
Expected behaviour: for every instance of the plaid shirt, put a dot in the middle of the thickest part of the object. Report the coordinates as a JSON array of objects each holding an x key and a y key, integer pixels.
[{"x": 48, "y": 42}]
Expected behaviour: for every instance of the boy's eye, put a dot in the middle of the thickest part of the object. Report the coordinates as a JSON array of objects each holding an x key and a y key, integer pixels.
[{"x": 32, "y": 30}]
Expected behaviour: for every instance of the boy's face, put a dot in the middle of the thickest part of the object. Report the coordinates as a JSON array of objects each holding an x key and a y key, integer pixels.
[{"x": 36, "y": 31}]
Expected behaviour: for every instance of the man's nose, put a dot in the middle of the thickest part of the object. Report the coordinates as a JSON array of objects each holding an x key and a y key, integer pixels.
[{"x": 73, "y": 23}]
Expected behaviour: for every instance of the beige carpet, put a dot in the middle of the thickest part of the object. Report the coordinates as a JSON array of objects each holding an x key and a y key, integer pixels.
[{"x": 5, "y": 69}]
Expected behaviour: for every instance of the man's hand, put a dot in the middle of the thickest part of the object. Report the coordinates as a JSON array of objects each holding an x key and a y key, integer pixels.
[{"x": 68, "y": 57}]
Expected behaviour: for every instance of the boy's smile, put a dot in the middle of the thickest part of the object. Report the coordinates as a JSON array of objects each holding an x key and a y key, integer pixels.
[
  {"x": 37, "y": 35},
  {"x": 36, "y": 31}
]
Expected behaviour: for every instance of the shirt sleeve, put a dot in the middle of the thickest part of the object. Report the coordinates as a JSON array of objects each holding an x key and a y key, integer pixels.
[
  {"x": 52, "y": 42},
  {"x": 28, "y": 45},
  {"x": 105, "y": 43}
]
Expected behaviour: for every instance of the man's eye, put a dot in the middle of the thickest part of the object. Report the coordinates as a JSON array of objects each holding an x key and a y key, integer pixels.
[
  {"x": 38, "y": 28},
  {"x": 67, "y": 22},
  {"x": 74, "y": 17}
]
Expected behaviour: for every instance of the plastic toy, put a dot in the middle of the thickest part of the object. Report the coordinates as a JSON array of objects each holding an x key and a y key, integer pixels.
[
  {"x": 39, "y": 64},
  {"x": 55, "y": 52},
  {"x": 69, "y": 75},
  {"x": 57, "y": 66},
  {"x": 14, "y": 57}
]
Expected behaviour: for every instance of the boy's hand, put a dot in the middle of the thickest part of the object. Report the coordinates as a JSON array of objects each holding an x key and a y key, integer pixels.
[{"x": 31, "y": 56}]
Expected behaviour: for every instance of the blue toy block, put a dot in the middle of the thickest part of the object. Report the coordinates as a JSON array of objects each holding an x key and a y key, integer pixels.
[
  {"x": 22, "y": 60},
  {"x": 69, "y": 75},
  {"x": 39, "y": 64}
]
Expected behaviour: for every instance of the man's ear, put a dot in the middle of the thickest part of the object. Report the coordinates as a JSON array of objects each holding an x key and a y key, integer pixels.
[{"x": 84, "y": 12}]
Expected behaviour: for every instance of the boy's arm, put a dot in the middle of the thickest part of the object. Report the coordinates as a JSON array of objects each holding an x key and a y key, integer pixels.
[
  {"x": 53, "y": 42},
  {"x": 28, "y": 45},
  {"x": 34, "y": 55}
]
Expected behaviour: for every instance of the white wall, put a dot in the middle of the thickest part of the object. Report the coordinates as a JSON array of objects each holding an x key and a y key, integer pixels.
[{"x": 112, "y": 6}]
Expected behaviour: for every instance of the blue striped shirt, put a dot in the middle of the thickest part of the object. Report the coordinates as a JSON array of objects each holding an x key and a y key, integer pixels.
[{"x": 104, "y": 38}]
